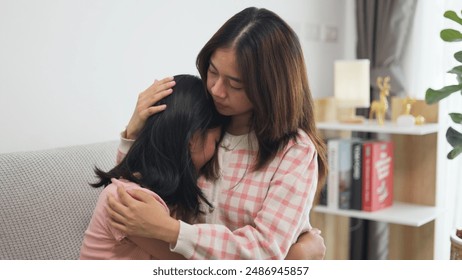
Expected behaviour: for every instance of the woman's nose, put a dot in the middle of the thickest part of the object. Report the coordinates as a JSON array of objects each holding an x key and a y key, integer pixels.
[{"x": 218, "y": 89}]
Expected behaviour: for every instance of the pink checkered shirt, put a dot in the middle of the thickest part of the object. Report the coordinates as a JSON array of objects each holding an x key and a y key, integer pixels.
[{"x": 256, "y": 215}]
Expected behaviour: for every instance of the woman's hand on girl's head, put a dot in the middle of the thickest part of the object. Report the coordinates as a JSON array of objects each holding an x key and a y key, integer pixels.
[
  {"x": 144, "y": 106},
  {"x": 139, "y": 214},
  {"x": 309, "y": 246}
]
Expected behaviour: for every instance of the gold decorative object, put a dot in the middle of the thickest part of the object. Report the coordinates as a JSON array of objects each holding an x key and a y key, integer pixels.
[
  {"x": 407, "y": 104},
  {"x": 406, "y": 119},
  {"x": 379, "y": 107},
  {"x": 419, "y": 120}
]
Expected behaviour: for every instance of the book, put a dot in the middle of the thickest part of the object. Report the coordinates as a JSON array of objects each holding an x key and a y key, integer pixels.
[
  {"x": 339, "y": 178},
  {"x": 332, "y": 177},
  {"x": 344, "y": 172},
  {"x": 323, "y": 192},
  {"x": 356, "y": 175},
  {"x": 377, "y": 191}
]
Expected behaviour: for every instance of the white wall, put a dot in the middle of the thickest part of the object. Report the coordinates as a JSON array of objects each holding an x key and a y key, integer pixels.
[{"x": 70, "y": 71}]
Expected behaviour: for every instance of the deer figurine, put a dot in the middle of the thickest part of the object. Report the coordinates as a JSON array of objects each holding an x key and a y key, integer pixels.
[{"x": 379, "y": 107}]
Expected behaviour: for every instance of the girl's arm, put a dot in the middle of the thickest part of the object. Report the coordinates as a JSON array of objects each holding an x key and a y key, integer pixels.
[{"x": 156, "y": 248}]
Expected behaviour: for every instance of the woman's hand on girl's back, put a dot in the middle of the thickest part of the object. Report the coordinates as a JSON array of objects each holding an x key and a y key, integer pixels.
[
  {"x": 139, "y": 214},
  {"x": 144, "y": 106}
]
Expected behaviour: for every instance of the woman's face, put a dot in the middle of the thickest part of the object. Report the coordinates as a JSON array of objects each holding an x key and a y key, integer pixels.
[
  {"x": 225, "y": 85},
  {"x": 203, "y": 149}
]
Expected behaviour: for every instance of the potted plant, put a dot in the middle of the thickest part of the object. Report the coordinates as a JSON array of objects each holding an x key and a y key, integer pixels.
[
  {"x": 456, "y": 245},
  {"x": 432, "y": 96},
  {"x": 453, "y": 136}
]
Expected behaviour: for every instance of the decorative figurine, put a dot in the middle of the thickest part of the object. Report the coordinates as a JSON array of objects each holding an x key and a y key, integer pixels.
[
  {"x": 406, "y": 119},
  {"x": 419, "y": 120},
  {"x": 379, "y": 108}
]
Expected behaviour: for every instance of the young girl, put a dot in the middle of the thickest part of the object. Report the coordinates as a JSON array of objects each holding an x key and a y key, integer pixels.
[
  {"x": 164, "y": 161},
  {"x": 271, "y": 157}
]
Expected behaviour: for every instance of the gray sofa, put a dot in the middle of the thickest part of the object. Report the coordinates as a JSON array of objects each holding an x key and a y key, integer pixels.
[{"x": 46, "y": 202}]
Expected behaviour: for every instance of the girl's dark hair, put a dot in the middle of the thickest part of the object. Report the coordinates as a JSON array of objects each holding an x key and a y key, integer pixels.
[
  {"x": 270, "y": 60},
  {"x": 160, "y": 159}
]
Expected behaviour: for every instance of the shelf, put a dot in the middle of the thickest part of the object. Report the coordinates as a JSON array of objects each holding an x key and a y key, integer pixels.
[
  {"x": 399, "y": 213},
  {"x": 388, "y": 127}
]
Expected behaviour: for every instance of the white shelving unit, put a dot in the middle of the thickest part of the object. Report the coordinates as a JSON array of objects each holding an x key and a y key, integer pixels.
[
  {"x": 388, "y": 127},
  {"x": 414, "y": 220},
  {"x": 399, "y": 213}
]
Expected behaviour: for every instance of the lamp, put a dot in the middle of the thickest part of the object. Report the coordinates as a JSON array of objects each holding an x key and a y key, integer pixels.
[{"x": 351, "y": 88}]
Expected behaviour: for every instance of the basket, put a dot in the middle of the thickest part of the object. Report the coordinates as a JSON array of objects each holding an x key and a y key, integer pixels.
[{"x": 456, "y": 247}]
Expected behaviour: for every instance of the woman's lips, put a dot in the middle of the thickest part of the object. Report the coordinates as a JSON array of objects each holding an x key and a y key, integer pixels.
[{"x": 218, "y": 104}]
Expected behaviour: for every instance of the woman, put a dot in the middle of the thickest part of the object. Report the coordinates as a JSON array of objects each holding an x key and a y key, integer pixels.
[
  {"x": 170, "y": 152},
  {"x": 271, "y": 158}
]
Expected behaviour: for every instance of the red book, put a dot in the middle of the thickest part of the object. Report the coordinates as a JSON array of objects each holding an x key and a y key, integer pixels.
[{"x": 377, "y": 175}]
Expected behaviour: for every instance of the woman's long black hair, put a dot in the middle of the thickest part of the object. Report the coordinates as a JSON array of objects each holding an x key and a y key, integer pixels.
[{"x": 160, "y": 159}]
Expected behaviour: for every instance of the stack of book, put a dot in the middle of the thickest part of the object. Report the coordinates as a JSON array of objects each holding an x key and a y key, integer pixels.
[{"x": 360, "y": 174}]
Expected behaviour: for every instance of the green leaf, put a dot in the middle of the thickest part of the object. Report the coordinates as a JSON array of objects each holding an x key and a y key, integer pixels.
[
  {"x": 456, "y": 70},
  {"x": 458, "y": 56},
  {"x": 453, "y": 16},
  {"x": 432, "y": 96},
  {"x": 454, "y": 137},
  {"x": 456, "y": 117},
  {"x": 455, "y": 152},
  {"x": 451, "y": 35}
]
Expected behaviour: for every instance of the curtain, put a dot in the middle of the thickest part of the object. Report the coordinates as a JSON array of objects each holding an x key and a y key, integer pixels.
[{"x": 383, "y": 29}]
